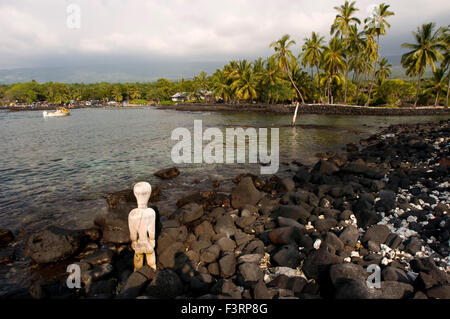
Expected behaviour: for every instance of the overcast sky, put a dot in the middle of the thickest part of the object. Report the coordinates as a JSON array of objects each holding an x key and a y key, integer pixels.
[{"x": 35, "y": 33}]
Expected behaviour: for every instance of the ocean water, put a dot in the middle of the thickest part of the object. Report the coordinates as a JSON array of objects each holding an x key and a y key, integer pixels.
[{"x": 57, "y": 170}]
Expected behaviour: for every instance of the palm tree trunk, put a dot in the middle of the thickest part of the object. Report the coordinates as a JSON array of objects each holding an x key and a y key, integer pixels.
[
  {"x": 418, "y": 89},
  {"x": 374, "y": 71},
  {"x": 295, "y": 86},
  {"x": 437, "y": 97},
  {"x": 318, "y": 83},
  {"x": 330, "y": 96},
  {"x": 370, "y": 93},
  {"x": 359, "y": 81},
  {"x": 345, "y": 94},
  {"x": 448, "y": 91}
]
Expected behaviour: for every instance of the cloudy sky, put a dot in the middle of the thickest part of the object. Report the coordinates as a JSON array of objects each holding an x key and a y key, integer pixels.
[{"x": 36, "y": 33}]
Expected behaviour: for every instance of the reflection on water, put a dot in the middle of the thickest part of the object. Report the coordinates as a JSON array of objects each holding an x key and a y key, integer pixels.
[{"x": 56, "y": 170}]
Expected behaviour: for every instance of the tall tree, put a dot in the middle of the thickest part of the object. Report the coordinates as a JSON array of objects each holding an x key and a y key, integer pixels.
[
  {"x": 221, "y": 86},
  {"x": 384, "y": 71},
  {"x": 377, "y": 25},
  {"x": 271, "y": 78},
  {"x": 284, "y": 57},
  {"x": 334, "y": 63},
  {"x": 354, "y": 43},
  {"x": 341, "y": 27},
  {"x": 446, "y": 61},
  {"x": 437, "y": 84},
  {"x": 424, "y": 52},
  {"x": 312, "y": 54},
  {"x": 201, "y": 82},
  {"x": 344, "y": 19},
  {"x": 246, "y": 82}
]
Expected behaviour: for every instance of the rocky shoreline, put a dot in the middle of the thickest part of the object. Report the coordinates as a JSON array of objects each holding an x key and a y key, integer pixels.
[
  {"x": 311, "y": 235},
  {"x": 334, "y": 109}
]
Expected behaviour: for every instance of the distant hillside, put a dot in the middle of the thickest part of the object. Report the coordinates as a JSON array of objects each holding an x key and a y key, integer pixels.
[
  {"x": 138, "y": 72},
  {"x": 109, "y": 73}
]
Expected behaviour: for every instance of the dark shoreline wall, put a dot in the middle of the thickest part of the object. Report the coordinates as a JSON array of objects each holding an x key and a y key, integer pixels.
[
  {"x": 310, "y": 109},
  {"x": 278, "y": 109}
]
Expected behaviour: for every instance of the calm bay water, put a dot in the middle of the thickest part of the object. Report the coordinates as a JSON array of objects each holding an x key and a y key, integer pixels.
[{"x": 57, "y": 170}]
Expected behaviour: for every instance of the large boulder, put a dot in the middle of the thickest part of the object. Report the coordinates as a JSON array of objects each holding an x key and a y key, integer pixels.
[
  {"x": 349, "y": 236},
  {"x": 114, "y": 228},
  {"x": 286, "y": 185},
  {"x": 125, "y": 196},
  {"x": 165, "y": 285},
  {"x": 245, "y": 193},
  {"x": 136, "y": 282},
  {"x": 250, "y": 274},
  {"x": 395, "y": 274},
  {"x": 387, "y": 201},
  {"x": 284, "y": 235},
  {"x": 353, "y": 289},
  {"x": 364, "y": 212},
  {"x": 297, "y": 213},
  {"x": 225, "y": 225},
  {"x": 210, "y": 254},
  {"x": 191, "y": 212},
  {"x": 439, "y": 292},
  {"x": 287, "y": 256},
  {"x": 318, "y": 262},
  {"x": 167, "y": 257},
  {"x": 342, "y": 273},
  {"x": 377, "y": 234},
  {"x": 325, "y": 167},
  {"x": 227, "y": 265},
  {"x": 98, "y": 257},
  {"x": 393, "y": 290},
  {"x": 53, "y": 244},
  {"x": 168, "y": 173}
]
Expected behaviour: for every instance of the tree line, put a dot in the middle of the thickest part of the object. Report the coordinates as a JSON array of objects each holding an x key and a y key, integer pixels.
[{"x": 347, "y": 69}]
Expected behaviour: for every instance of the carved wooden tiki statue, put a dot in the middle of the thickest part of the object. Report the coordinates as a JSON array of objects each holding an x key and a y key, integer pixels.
[{"x": 141, "y": 222}]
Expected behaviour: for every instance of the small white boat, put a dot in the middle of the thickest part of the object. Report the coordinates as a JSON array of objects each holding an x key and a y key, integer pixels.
[{"x": 59, "y": 112}]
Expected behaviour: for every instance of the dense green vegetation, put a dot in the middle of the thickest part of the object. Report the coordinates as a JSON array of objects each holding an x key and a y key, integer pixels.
[{"x": 347, "y": 69}]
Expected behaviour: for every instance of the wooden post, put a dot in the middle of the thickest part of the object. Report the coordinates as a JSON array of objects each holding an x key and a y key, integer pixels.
[{"x": 295, "y": 114}]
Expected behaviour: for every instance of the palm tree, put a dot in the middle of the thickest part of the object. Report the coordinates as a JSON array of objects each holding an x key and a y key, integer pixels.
[
  {"x": 221, "y": 86},
  {"x": 135, "y": 93},
  {"x": 271, "y": 76},
  {"x": 201, "y": 81},
  {"x": 376, "y": 25},
  {"x": 312, "y": 54},
  {"x": 116, "y": 93},
  {"x": 424, "y": 52},
  {"x": 384, "y": 70},
  {"x": 302, "y": 80},
  {"x": 246, "y": 83},
  {"x": 284, "y": 57},
  {"x": 446, "y": 61},
  {"x": 334, "y": 63},
  {"x": 368, "y": 56},
  {"x": 344, "y": 19},
  {"x": 341, "y": 26},
  {"x": 258, "y": 66},
  {"x": 354, "y": 44},
  {"x": 437, "y": 84}
]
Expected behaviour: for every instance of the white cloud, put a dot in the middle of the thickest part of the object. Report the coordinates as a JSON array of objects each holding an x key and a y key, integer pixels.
[{"x": 180, "y": 28}]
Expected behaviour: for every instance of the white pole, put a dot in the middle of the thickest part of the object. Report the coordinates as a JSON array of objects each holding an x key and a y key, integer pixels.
[{"x": 295, "y": 115}]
